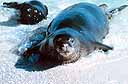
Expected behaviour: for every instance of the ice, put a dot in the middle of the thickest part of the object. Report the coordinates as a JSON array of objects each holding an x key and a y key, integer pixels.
[{"x": 97, "y": 68}]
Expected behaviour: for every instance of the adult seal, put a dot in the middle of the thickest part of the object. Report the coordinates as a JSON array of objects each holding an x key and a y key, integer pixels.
[
  {"x": 78, "y": 29},
  {"x": 31, "y": 12}
]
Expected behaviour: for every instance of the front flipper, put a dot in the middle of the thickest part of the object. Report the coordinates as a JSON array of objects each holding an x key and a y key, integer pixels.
[{"x": 103, "y": 47}]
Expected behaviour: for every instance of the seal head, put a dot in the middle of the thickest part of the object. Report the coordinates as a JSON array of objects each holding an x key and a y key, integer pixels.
[{"x": 65, "y": 48}]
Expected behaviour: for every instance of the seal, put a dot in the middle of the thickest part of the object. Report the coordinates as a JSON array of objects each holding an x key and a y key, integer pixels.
[
  {"x": 78, "y": 29},
  {"x": 31, "y": 12}
]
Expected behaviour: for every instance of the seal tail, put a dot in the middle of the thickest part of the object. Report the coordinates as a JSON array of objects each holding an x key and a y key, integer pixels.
[{"x": 115, "y": 11}]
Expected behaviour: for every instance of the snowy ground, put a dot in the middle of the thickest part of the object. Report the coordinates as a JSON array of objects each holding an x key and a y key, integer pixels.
[{"x": 97, "y": 68}]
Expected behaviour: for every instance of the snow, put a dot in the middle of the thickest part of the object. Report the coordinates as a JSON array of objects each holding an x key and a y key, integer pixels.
[{"x": 97, "y": 68}]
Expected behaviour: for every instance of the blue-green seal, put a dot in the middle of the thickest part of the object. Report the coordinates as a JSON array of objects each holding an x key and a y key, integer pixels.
[{"x": 78, "y": 29}]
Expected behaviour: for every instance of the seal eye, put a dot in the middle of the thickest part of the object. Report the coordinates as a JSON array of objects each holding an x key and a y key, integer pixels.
[{"x": 71, "y": 40}]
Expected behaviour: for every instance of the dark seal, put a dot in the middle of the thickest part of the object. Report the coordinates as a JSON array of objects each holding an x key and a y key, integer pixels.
[
  {"x": 31, "y": 12},
  {"x": 78, "y": 29}
]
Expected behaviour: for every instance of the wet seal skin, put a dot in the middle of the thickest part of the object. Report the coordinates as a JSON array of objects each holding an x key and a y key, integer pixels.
[
  {"x": 31, "y": 12},
  {"x": 78, "y": 29}
]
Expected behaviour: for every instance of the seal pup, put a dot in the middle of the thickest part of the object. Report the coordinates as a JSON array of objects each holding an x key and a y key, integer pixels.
[{"x": 31, "y": 12}]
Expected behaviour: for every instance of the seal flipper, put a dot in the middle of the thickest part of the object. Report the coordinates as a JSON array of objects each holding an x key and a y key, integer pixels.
[
  {"x": 118, "y": 9},
  {"x": 110, "y": 13},
  {"x": 114, "y": 11},
  {"x": 102, "y": 46},
  {"x": 11, "y": 5}
]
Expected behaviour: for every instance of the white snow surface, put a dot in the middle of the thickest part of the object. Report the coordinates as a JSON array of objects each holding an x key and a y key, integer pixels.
[{"x": 97, "y": 68}]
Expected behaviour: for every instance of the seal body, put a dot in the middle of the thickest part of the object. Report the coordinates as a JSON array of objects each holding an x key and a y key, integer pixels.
[
  {"x": 82, "y": 17},
  {"x": 80, "y": 27},
  {"x": 31, "y": 12}
]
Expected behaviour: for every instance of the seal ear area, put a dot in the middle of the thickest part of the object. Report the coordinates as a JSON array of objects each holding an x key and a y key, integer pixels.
[{"x": 103, "y": 47}]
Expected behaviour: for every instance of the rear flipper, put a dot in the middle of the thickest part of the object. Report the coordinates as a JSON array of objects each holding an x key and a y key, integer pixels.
[
  {"x": 11, "y": 5},
  {"x": 118, "y": 9},
  {"x": 111, "y": 13},
  {"x": 115, "y": 11},
  {"x": 103, "y": 47}
]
